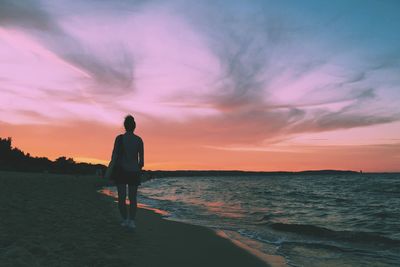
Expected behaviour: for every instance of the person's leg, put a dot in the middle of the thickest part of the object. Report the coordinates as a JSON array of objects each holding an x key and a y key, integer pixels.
[
  {"x": 132, "y": 191},
  {"x": 122, "y": 200}
]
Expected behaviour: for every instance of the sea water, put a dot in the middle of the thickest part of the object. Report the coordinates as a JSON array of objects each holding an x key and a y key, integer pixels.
[{"x": 310, "y": 220}]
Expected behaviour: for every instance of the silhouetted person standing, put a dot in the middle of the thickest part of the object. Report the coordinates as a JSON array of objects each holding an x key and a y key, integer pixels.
[{"x": 129, "y": 150}]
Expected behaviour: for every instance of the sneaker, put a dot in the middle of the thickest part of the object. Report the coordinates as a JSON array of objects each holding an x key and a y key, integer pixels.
[
  {"x": 125, "y": 223},
  {"x": 131, "y": 224}
]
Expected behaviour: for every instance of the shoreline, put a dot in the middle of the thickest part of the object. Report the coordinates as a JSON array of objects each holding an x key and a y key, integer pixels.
[
  {"x": 62, "y": 220},
  {"x": 270, "y": 260}
]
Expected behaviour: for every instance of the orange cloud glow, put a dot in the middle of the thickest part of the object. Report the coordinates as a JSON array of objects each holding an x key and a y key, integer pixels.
[{"x": 93, "y": 142}]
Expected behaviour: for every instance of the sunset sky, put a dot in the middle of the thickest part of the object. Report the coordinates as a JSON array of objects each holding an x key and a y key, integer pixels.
[{"x": 246, "y": 85}]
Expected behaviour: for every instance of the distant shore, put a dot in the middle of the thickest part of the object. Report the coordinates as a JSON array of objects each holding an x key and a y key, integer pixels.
[
  {"x": 61, "y": 220},
  {"x": 180, "y": 173}
]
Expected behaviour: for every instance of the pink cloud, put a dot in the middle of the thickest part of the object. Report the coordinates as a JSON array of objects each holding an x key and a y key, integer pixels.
[{"x": 220, "y": 77}]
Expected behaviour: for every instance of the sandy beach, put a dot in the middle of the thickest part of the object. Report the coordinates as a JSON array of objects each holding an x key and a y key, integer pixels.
[{"x": 62, "y": 220}]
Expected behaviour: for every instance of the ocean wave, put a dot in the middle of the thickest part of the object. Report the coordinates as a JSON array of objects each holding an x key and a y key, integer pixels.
[{"x": 321, "y": 232}]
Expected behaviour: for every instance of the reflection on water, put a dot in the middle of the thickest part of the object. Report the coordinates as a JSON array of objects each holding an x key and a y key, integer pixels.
[
  {"x": 341, "y": 220},
  {"x": 111, "y": 191},
  {"x": 253, "y": 247}
]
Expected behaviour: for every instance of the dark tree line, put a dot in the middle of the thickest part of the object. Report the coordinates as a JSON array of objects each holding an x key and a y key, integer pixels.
[{"x": 14, "y": 159}]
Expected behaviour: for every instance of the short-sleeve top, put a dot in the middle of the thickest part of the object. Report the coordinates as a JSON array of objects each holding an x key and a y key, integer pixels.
[{"x": 131, "y": 159}]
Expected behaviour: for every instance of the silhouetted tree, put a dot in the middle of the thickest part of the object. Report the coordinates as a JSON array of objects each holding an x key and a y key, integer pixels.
[{"x": 14, "y": 159}]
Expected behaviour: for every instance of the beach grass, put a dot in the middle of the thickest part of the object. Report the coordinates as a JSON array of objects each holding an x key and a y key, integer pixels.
[{"x": 62, "y": 220}]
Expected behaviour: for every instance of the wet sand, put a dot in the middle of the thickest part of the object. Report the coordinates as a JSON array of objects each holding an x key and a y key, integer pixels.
[{"x": 61, "y": 220}]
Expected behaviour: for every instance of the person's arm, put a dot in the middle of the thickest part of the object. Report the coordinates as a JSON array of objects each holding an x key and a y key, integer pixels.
[
  {"x": 141, "y": 154},
  {"x": 115, "y": 150}
]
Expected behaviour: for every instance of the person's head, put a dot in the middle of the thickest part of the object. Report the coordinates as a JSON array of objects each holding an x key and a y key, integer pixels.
[{"x": 129, "y": 123}]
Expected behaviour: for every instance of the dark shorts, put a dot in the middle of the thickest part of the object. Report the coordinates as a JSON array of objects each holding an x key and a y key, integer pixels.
[{"x": 127, "y": 177}]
